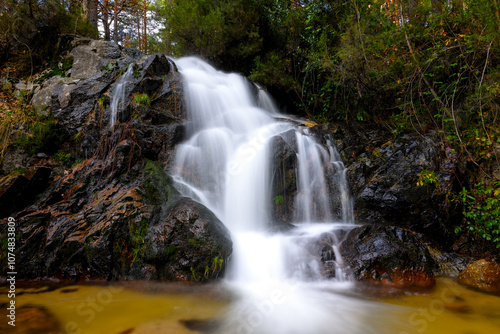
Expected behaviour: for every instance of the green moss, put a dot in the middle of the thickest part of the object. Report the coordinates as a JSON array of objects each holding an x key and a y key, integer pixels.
[
  {"x": 157, "y": 189},
  {"x": 194, "y": 242},
  {"x": 40, "y": 133},
  {"x": 137, "y": 234},
  {"x": 278, "y": 200},
  {"x": 57, "y": 68},
  {"x": 170, "y": 250},
  {"x": 215, "y": 268},
  {"x": 142, "y": 99}
]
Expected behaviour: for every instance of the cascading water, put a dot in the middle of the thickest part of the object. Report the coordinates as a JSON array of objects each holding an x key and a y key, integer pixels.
[
  {"x": 118, "y": 94},
  {"x": 226, "y": 165}
]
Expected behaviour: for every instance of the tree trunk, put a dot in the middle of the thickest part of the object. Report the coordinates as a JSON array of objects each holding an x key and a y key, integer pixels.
[
  {"x": 90, "y": 12},
  {"x": 115, "y": 26},
  {"x": 497, "y": 12},
  {"x": 139, "y": 40},
  {"x": 105, "y": 25},
  {"x": 145, "y": 26}
]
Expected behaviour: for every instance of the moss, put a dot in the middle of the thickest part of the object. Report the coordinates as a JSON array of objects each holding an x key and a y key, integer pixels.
[
  {"x": 194, "y": 242},
  {"x": 157, "y": 189},
  {"x": 57, "y": 68},
  {"x": 137, "y": 234}
]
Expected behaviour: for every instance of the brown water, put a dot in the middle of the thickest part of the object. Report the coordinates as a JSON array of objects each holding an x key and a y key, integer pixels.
[{"x": 157, "y": 308}]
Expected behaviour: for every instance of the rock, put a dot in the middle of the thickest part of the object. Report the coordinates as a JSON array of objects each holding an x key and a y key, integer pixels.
[
  {"x": 90, "y": 60},
  {"x": 283, "y": 177},
  {"x": 110, "y": 217},
  {"x": 449, "y": 264},
  {"x": 6, "y": 84},
  {"x": 482, "y": 275},
  {"x": 388, "y": 255},
  {"x": 386, "y": 192},
  {"x": 31, "y": 319},
  {"x": 189, "y": 244},
  {"x": 55, "y": 92},
  {"x": 18, "y": 191}
]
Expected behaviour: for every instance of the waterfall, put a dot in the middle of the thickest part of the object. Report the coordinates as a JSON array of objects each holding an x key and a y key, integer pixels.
[
  {"x": 225, "y": 163},
  {"x": 118, "y": 94}
]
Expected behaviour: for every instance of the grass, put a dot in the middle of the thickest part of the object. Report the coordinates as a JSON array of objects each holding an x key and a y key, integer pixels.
[{"x": 142, "y": 99}]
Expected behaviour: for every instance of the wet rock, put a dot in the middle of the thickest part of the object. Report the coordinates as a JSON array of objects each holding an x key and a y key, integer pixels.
[
  {"x": 449, "y": 264},
  {"x": 32, "y": 319},
  {"x": 283, "y": 178},
  {"x": 388, "y": 255},
  {"x": 482, "y": 275},
  {"x": 386, "y": 192},
  {"x": 115, "y": 216},
  {"x": 18, "y": 191},
  {"x": 189, "y": 244}
]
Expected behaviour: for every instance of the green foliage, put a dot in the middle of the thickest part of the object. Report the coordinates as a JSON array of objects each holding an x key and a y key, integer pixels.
[
  {"x": 482, "y": 211},
  {"x": 77, "y": 136},
  {"x": 63, "y": 158},
  {"x": 428, "y": 177},
  {"x": 24, "y": 128},
  {"x": 196, "y": 277},
  {"x": 40, "y": 133},
  {"x": 142, "y": 99},
  {"x": 215, "y": 267},
  {"x": 194, "y": 242},
  {"x": 32, "y": 33},
  {"x": 137, "y": 234},
  {"x": 19, "y": 171},
  {"x": 57, "y": 68},
  {"x": 225, "y": 32},
  {"x": 278, "y": 199}
]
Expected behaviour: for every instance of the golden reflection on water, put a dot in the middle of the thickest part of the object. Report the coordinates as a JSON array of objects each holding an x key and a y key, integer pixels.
[
  {"x": 449, "y": 308},
  {"x": 161, "y": 308}
]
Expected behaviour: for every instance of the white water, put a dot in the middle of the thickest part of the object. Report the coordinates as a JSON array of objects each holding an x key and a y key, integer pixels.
[
  {"x": 118, "y": 94},
  {"x": 226, "y": 165}
]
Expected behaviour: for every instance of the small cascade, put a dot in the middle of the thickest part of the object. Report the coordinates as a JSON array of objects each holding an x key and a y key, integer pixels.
[
  {"x": 118, "y": 95},
  {"x": 226, "y": 164}
]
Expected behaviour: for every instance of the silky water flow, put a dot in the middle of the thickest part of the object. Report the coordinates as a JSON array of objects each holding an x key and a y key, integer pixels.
[{"x": 226, "y": 164}]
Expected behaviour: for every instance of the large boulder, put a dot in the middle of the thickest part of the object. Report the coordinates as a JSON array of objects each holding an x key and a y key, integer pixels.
[
  {"x": 190, "y": 243},
  {"x": 385, "y": 177},
  {"x": 91, "y": 57},
  {"x": 482, "y": 275},
  {"x": 389, "y": 256}
]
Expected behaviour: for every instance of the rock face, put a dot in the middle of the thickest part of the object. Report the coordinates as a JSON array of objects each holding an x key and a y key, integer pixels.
[
  {"x": 388, "y": 255},
  {"x": 383, "y": 173},
  {"x": 18, "y": 191},
  {"x": 106, "y": 219},
  {"x": 116, "y": 213},
  {"x": 482, "y": 275}
]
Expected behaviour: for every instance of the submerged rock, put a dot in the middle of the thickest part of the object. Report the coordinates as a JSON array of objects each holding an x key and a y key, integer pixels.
[
  {"x": 388, "y": 255},
  {"x": 482, "y": 275},
  {"x": 33, "y": 319}
]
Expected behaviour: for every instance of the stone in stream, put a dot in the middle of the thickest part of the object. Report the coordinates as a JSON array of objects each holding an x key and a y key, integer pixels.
[
  {"x": 482, "y": 275},
  {"x": 389, "y": 256}
]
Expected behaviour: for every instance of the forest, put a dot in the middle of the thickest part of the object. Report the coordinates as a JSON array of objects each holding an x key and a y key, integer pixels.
[{"x": 409, "y": 66}]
